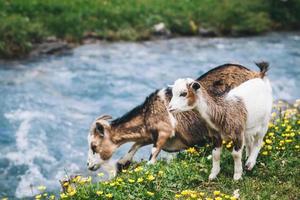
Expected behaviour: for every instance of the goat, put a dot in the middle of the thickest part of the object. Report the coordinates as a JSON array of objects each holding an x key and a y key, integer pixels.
[
  {"x": 151, "y": 123},
  {"x": 242, "y": 114}
]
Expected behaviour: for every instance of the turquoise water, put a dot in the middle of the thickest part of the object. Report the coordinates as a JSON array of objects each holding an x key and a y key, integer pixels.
[{"x": 47, "y": 106}]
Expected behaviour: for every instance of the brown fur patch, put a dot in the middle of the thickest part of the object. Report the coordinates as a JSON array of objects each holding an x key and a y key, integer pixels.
[{"x": 191, "y": 96}]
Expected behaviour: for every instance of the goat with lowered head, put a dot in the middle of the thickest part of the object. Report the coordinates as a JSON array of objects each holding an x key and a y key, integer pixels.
[
  {"x": 241, "y": 115},
  {"x": 152, "y": 123}
]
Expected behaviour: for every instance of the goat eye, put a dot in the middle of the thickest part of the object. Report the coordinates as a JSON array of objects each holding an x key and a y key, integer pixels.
[{"x": 183, "y": 94}]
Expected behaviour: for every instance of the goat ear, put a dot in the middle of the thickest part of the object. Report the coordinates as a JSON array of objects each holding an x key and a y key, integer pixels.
[
  {"x": 195, "y": 85},
  {"x": 170, "y": 86},
  {"x": 99, "y": 129},
  {"x": 104, "y": 117}
]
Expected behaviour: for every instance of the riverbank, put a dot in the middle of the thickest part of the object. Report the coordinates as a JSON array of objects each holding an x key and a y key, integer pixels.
[
  {"x": 186, "y": 176},
  {"x": 51, "y": 26}
]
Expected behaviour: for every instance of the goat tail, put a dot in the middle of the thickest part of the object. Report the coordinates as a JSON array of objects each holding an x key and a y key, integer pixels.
[{"x": 264, "y": 67}]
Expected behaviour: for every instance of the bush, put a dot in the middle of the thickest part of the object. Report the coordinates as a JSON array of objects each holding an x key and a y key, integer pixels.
[{"x": 17, "y": 34}]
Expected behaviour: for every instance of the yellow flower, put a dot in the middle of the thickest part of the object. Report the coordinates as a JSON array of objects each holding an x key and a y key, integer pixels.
[
  {"x": 38, "y": 196},
  {"x": 218, "y": 198},
  {"x": 269, "y": 147},
  {"x": 216, "y": 193},
  {"x": 288, "y": 141},
  {"x": 233, "y": 198},
  {"x": 265, "y": 153},
  {"x": 292, "y": 134},
  {"x": 72, "y": 193},
  {"x": 131, "y": 180},
  {"x": 42, "y": 188},
  {"x": 150, "y": 193},
  {"x": 124, "y": 170},
  {"x": 191, "y": 150},
  {"x": 185, "y": 192},
  {"x": 101, "y": 174},
  {"x": 66, "y": 184},
  {"x": 177, "y": 195},
  {"x": 228, "y": 145},
  {"x": 112, "y": 184},
  {"x": 193, "y": 196},
  {"x": 271, "y": 134},
  {"x": 268, "y": 141},
  {"x": 119, "y": 179},
  {"x": 160, "y": 172},
  {"x": 99, "y": 193},
  {"x": 139, "y": 180},
  {"x": 63, "y": 196},
  {"x": 297, "y": 147},
  {"x": 201, "y": 194},
  {"x": 52, "y": 197},
  {"x": 208, "y": 198},
  {"x": 150, "y": 177},
  {"x": 109, "y": 195},
  {"x": 138, "y": 169}
]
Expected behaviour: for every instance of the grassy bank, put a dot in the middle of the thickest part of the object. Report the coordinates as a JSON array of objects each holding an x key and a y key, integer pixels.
[
  {"x": 276, "y": 175},
  {"x": 25, "y": 22}
]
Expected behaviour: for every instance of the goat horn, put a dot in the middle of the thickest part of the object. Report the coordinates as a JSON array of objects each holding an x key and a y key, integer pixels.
[{"x": 104, "y": 117}]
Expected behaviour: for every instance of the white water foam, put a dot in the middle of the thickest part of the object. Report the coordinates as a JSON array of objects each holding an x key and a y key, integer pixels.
[{"x": 28, "y": 150}]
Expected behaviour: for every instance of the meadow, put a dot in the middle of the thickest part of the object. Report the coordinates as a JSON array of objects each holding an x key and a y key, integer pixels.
[
  {"x": 24, "y": 23},
  {"x": 276, "y": 175}
]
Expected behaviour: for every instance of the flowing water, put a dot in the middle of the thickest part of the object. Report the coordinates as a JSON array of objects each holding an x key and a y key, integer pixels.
[{"x": 47, "y": 106}]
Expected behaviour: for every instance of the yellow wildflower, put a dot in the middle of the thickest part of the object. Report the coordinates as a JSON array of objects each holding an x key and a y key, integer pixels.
[
  {"x": 191, "y": 150},
  {"x": 131, "y": 180},
  {"x": 269, "y": 147},
  {"x": 193, "y": 196},
  {"x": 150, "y": 193},
  {"x": 38, "y": 196},
  {"x": 139, "y": 180},
  {"x": 63, "y": 196},
  {"x": 297, "y": 147},
  {"x": 138, "y": 169},
  {"x": 66, "y": 184},
  {"x": 288, "y": 141},
  {"x": 268, "y": 141},
  {"x": 109, "y": 195},
  {"x": 42, "y": 188},
  {"x": 233, "y": 198},
  {"x": 271, "y": 134},
  {"x": 218, "y": 198},
  {"x": 99, "y": 193},
  {"x": 72, "y": 193},
  {"x": 52, "y": 197},
  {"x": 216, "y": 193},
  {"x": 177, "y": 195},
  {"x": 228, "y": 146},
  {"x": 201, "y": 194},
  {"x": 265, "y": 153},
  {"x": 208, "y": 198},
  {"x": 150, "y": 177}
]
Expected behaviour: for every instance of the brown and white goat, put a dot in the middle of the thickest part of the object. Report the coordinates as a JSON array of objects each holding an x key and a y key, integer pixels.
[
  {"x": 242, "y": 113},
  {"x": 151, "y": 123}
]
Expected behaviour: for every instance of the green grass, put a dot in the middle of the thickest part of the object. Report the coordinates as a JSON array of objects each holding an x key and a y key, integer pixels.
[
  {"x": 24, "y": 22},
  {"x": 276, "y": 175}
]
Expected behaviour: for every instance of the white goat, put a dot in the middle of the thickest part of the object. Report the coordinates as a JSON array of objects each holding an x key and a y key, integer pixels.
[{"x": 243, "y": 114}]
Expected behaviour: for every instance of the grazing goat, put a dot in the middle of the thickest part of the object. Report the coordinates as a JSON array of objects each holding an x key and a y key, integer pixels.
[
  {"x": 151, "y": 123},
  {"x": 243, "y": 113}
]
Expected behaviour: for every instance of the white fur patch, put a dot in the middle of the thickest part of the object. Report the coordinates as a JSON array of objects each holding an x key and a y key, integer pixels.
[{"x": 172, "y": 119}]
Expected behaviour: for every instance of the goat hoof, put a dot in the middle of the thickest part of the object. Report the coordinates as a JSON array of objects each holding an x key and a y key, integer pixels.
[
  {"x": 237, "y": 176},
  {"x": 249, "y": 166},
  {"x": 121, "y": 166}
]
